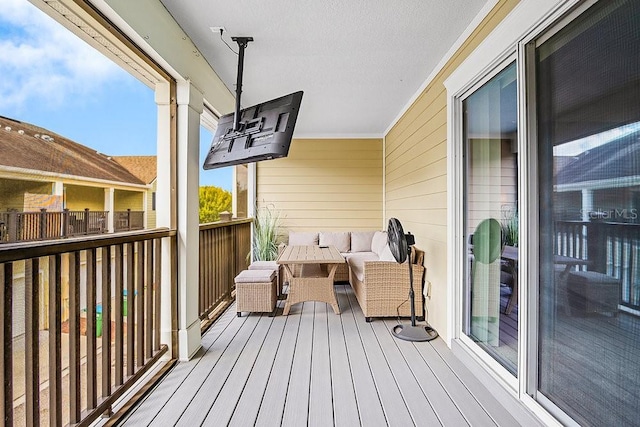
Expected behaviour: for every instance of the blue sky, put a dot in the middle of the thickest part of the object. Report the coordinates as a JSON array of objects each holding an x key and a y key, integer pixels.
[{"x": 53, "y": 79}]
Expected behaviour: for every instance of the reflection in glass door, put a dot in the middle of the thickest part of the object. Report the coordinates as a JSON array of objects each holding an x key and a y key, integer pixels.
[
  {"x": 490, "y": 298},
  {"x": 588, "y": 113}
]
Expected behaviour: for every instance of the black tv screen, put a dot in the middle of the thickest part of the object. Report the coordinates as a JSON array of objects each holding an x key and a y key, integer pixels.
[{"x": 264, "y": 133}]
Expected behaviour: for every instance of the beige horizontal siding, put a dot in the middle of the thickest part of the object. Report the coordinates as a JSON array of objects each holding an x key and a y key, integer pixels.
[
  {"x": 325, "y": 184},
  {"x": 79, "y": 198},
  {"x": 416, "y": 169}
]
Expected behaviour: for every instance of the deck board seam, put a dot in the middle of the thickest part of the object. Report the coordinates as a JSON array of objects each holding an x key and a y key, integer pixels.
[
  {"x": 253, "y": 363},
  {"x": 394, "y": 376},
  {"x": 354, "y": 310},
  {"x": 437, "y": 377},
  {"x": 346, "y": 347},
  {"x": 406, "y": 362},
  {"x": 371, "y": 370},
  {"x": 473, "y": 395},
  {"x": 284, "y": 327},
  {"x": 213, "y": 366},
  {"x": 228, "y": 373},
  {"x": 286, "y": 395},
  {"x": 187, "y": 372}
]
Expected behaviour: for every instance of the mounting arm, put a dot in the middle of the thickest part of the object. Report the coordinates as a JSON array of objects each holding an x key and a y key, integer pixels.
[{"x": 242, "y": 44}]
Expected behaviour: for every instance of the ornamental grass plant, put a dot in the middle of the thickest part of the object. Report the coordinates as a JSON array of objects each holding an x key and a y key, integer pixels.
[{"x": 266, "y": 234}]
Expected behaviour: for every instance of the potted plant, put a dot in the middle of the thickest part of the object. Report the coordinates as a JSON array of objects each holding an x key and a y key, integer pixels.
[
  {"x": 510, "y": 230},
  {"x": 266, "y": 234}
]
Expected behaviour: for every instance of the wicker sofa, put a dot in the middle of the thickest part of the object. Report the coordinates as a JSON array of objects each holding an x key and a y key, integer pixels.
[{"x": 380, "y": 284}]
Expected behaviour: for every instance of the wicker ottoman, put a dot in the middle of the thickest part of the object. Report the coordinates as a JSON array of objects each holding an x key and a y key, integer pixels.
[
  {"x": 590, "y": 291},
  {"x": 269, "y": 265},
  {"x": 256, "y": 291}
]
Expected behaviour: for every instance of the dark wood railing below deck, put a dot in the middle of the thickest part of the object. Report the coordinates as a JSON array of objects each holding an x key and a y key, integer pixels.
[
  {"x": 224, "y": 251},
  {"x": 73, "y": 288}
]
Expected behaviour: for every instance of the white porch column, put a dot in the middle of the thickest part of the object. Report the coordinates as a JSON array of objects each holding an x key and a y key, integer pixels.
[
  {"x": 145, "y": 210},
  {"x": 190, "y": 106},
  {"x": 58, "y": 190},
  {"x": 587, "y": 203},
  {"x": 109, "y": 205},
  {"x": 165, "y": 209}
]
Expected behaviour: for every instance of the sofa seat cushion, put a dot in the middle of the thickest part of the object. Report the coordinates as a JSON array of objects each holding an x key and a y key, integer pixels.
[
  {"x": 340, "y": 239},
  {"x": 356, "y": 262}
]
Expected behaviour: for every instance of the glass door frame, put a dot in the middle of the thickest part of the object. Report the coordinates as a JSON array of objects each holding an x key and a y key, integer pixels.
[
  {"x": 520, "y": 49},
  {"x": 457, "y": 217}
]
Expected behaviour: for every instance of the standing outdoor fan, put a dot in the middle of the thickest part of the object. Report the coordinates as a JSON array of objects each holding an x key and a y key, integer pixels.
[{"x": 400, "y": 245}]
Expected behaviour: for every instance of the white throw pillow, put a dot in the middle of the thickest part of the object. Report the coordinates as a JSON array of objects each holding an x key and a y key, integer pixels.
[
  {"x": 340, "y": 239},
  {"x": 361, "y": 241},
  {"x": 378, "y": 242},
  {"x": 303, "y": 238}
]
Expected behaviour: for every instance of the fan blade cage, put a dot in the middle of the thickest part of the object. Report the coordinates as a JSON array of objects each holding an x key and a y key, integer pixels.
[{"x": 397, "y": 240}]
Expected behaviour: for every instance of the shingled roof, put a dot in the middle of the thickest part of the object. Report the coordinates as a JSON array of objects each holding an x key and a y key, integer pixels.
[
  {"x": 23, "y": 145},
  {"x": 144, "y": 167},
  {"x": 616, "y": 159}
]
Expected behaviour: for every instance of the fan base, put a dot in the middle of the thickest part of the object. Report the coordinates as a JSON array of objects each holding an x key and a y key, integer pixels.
[{"x": 414, "y": 333}]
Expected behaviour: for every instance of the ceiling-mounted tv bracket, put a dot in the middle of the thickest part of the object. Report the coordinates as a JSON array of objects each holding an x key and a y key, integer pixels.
[{"x": 242, "y": 44}]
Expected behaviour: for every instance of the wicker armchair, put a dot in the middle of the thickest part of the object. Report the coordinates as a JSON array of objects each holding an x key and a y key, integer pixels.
[{"x": 384, "y": 291}]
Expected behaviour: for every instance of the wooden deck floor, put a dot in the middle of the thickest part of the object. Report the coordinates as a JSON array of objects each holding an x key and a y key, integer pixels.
[{"x": 315, "y": 368}]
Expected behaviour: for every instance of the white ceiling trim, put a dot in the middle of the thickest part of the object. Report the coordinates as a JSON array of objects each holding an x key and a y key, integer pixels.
[
  {"x": 459, "y": 42},
  {"x": 334, "y": 136}
]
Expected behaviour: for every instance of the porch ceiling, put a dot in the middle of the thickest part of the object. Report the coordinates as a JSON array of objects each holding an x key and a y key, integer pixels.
[{"x": 358, "y": 62}]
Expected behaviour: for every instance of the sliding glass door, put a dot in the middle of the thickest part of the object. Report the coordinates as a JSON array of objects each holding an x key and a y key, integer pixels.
[
  {"x": 490, "y": 297},
  {"x": 588, "y": 127}
]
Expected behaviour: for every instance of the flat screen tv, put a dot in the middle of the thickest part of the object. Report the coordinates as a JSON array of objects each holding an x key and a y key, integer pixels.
[{"x": 264, "y": 133}]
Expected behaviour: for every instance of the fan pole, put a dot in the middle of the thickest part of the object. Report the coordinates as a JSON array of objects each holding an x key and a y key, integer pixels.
[{"x": 411, "y": 293}]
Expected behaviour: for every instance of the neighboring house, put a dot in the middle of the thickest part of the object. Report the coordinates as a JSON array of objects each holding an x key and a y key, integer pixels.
[
  {"x": 145, "y": 169},
  {"x": 40, "y": 169},
  {"x": 602, "y": 182}
]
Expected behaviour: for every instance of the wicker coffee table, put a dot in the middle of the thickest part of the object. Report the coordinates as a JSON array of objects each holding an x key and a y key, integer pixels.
[{"x": 316, "y": 287}]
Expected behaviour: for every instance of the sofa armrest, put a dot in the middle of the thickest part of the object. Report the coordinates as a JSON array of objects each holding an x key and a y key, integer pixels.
[{"x": 385, "y": 290}]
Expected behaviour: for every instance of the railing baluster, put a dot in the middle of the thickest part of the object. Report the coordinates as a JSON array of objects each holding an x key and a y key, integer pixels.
[
  {"x": 119, "y": 338},
  {"x": 74, "y": 338},
  {"x": 6, "y": 355},
  {"x": 92, "y": 369},
  {"x": 55, "y": 340},
  {"x": 148, "y": 343},
  {"x": 157, "y": 292},
  {"x": 32, "y": 342},
  {"x": 140, "y": 300},
  {"x": 210, "y": 270},
  {"x": 202, "y": 242},
  {"x": 106, "y": 321},
  {"x": 131, "y": 310}
]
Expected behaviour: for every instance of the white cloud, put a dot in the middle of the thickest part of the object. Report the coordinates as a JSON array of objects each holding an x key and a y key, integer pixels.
[{"x": 42, "y": 61}]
